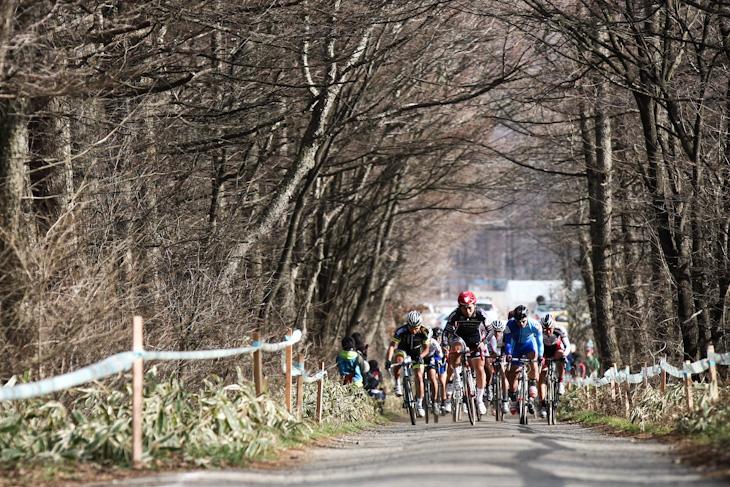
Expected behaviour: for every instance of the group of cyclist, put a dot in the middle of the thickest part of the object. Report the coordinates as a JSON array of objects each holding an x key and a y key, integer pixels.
[{"x": 468, "y": 330}]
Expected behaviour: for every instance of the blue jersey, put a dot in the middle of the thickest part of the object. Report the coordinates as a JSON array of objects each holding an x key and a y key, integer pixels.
[{"x": 519, "y": 336}]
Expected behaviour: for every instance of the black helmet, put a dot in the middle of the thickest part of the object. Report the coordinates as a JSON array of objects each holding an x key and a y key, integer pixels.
[
  {"x": 437, "y": 333},
  {"x": 520, "y": 313}
]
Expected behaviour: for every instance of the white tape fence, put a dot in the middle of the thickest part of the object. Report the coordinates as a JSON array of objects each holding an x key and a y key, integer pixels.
[{"x": 135, "y": 359}]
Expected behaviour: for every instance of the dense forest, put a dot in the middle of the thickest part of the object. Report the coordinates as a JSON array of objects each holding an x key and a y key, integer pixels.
[{"x": 228, "y": 167}]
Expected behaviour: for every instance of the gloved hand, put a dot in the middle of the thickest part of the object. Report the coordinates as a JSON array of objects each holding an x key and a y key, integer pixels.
[
  {"x": 388, "y": 363},
  {"x": 508, "y": 358},
  {"x": 539, "y": 359},
  {"x": 419, "y": 360}
]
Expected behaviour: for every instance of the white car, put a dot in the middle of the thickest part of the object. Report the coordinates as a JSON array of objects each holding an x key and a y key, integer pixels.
[{"x": 488, "y": 308}]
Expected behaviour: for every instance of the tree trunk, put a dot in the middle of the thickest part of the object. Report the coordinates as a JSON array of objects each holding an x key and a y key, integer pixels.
[{"x": 600, "y": 198}]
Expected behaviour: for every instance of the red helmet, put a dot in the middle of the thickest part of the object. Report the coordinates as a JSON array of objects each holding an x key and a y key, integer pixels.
[{"x": 467, "y": 297}]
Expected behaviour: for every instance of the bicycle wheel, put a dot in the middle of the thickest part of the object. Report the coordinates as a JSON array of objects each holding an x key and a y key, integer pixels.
[
  {"x": 524, "y": 397},
  {"x": 497, "y": 400},
  {"x": 408, "y": 393},
  {"x": 427, "y": 406},
  {"x": 467, "y": 393},
  {"x": 550, "y": 397},
  {"x": 554, "y": 402},
  {"x": 455, "y": 404},
  {"x": 436, "y": 403}
]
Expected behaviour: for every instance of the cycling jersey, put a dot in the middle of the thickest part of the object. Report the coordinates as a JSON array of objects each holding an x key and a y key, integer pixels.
[
  {"x": 519, "y": 341},
  {"x": 472, "y": 330},
  {"x": 495, "y": 346},
  {"x": 410, "y": 343},
  {"x": 559, "y": 334},
  {"x": 434, "y": 351}
]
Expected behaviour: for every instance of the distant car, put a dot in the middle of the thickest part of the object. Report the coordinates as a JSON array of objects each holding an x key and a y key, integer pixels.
[
  {"x": 556, "y": 309},
  {"x": 488, "y": 308}
]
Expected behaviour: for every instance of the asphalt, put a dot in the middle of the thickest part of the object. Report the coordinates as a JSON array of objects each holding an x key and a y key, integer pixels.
[{"x": 451, "y": 454}]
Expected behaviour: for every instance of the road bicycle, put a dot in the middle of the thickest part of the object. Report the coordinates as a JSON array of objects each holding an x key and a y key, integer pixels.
[
  {"x": 497, "y": 392},
  {"x": 430, "y": 406},
  {"x": 552, "y": 396},
  {"x": 524, "y": 389},
  {"x": 465, "y": 392},
  {"x": 409, "y": 393}
]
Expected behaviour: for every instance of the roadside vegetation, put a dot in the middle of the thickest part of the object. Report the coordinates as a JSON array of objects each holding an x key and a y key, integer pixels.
[
  {"x": 88, "y": 430},
  {"x": 703, "y": 433}
]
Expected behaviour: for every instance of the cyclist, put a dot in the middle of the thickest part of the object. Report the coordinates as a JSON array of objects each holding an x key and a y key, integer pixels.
[
  {"x": 555, "y": 339},
  {"x": 412, "y": 340},
  {"x": 467, "y": 328},
  {"x": 435, "y": 369},
  {"x": 496, "y": 348},
  {"x": 523, "y": 340}
]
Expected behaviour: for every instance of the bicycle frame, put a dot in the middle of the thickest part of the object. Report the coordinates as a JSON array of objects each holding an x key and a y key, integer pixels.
[
  {"x": 551, "y": 389},
  {"x": 467, "y": 391},
  {"x": 497, "y": 375},
  {"x": 409, "y": 393},
  {"x": 523, "y": 388}
]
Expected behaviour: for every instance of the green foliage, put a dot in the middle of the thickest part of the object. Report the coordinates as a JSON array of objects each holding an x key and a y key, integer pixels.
[
  {"x": 656, "y": 412},
  {"x": 709, "y": 419},
  {"x": 219, "y": 423}
]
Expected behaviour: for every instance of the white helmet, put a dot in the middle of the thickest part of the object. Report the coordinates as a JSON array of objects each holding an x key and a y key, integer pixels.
[
  {"x": 499, "y": 325},
  {"x": 547, "y": 321},
  {"x": 414, "y": 319}
]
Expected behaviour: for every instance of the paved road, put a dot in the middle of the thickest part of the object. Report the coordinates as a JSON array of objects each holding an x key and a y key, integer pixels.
[{"x": 489, "y": 453}]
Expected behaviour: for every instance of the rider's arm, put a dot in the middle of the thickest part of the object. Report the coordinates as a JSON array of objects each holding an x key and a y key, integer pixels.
[
  {"x": 508, "y": 342},
  {"x": 426, "y": 348},
  {"x": 566, "y": 341},
  {"x": 492, "y": 341},
  {"x": 389, "y": 353},
  {"x": 540, "y": 343}
]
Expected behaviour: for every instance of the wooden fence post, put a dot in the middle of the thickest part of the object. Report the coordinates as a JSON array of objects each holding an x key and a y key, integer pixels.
[
  {"x": 320, "y": 394},
  {"x": 627, "y": 389},
  {"x": 300, "y": 389},
  {"x": 688, "y": 387},
  {"x": 713, "y": 373},
  {"x": 663, "y": 384},
  {"x": 613, "y": 384},
  {"x": 287, "y": 393},
  {"x": 258, "y": 366},
  {"x": 137, "y": 386},
  {"x": 645, "y": 381}
]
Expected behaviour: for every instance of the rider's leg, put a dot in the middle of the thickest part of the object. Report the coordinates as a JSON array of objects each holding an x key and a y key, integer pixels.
[
  {"x": 488, "y": 370},
  {"x": 433, "y": 378},
  {"x": 559, "y": 354},
  {"x": 478, "y": 365},
  {"x": 534, "y": 371},
  {"x": 419, "y": 380},
  {"x": 542, "y": 388}
]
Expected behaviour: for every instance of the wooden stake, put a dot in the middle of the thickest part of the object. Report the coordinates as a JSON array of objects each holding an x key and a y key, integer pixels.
[
  {"x": 688, "y": 387},
  {"x": 287, "y": 393},
  {"x": 713, "y": 373},
  {"x": 137, "y": 386},
  {"x": 258, "y": 367},
  {"x": 613, "y": 384},
  {"x": 300, "y": 389},
  {"x": 663, "y": 384},
  {"x": 645, "y": 382},
  {"x": 627, "y": 389},
  {"x": 320, "y": 395}
]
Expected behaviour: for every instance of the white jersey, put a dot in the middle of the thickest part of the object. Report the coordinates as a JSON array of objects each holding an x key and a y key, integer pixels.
[
  {"x": 434, "y": 350},
  {"x": 559, "y": 333},
  {"x": 495, "y": 345}
]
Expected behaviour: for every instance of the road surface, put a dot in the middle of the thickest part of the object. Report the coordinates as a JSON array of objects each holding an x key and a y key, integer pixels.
[{"x": 452, "y": 454}]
